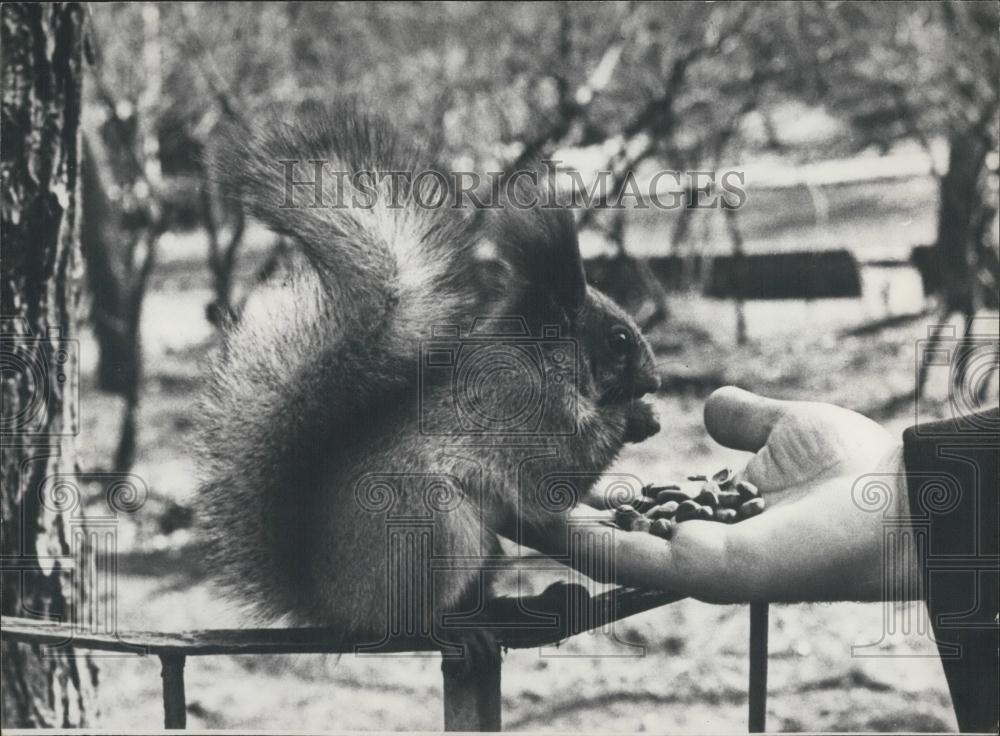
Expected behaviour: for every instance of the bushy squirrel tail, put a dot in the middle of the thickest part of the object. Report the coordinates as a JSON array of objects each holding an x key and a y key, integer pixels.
[
  {"x": 326, "y": 348},
  {"x": 355, "y": 198}
]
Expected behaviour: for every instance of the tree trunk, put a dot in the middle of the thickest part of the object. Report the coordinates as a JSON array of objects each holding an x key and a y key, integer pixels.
[
  {"x": 736, "y": 238},
  {"x": 963, "y": 199},
  {"x": 117, "y": 288},
  {"x": 963, "y": 209},
  {"x": 42, "y": 57},
  {"x": 101, "y": 241}
]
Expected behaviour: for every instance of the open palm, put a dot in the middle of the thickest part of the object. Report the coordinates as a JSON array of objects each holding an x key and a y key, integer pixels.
[{"x": 817, "y": 540}]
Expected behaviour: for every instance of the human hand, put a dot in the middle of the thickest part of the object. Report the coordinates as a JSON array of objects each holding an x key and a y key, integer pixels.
[{"x": 814, "y": 542}]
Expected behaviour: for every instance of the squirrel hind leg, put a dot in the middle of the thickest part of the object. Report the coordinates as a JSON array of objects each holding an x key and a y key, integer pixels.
[{"x": 466, "y": 646}]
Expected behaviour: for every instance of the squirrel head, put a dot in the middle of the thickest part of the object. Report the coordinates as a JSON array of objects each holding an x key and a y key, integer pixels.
[
  {"x": 548, "y": 286},
  {"x": 619, "y": 360}
]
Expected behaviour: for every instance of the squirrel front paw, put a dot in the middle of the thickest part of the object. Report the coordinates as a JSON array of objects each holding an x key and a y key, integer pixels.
[
  {"x": 640, "y": 422},
  {"x": 476, "y": 649}
]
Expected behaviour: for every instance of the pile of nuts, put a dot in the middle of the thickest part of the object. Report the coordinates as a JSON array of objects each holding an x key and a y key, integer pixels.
[{"x": 720, "y": 499}]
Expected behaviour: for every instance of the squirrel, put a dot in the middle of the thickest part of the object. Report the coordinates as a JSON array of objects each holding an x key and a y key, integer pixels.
[{"x": 319, "y": 426}]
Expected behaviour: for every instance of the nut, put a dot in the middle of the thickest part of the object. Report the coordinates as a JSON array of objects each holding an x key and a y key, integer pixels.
[
  {"x": 641, "y": 524},
  {"x": 665, "y": 511},
  {"x": 724, "y": 477},
  {"x": 709, "y": 495},
  {"x": 726, "y": 516},
  {"x": 730, "y": 499},
  {"x": 652, "y": 489},
  {"x": 687, "y": 510},
  {"x": 642, "y": 505},
  {"x": 751, "y": 508},
  {"x": 625, "y": 515},
  {"x": 668, "y": 495},
  {"x": 747, "y": 490},
  {"x": 661, "y": 528}
]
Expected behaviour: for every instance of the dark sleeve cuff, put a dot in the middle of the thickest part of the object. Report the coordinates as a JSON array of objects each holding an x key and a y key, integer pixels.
[{"x": 952, "y": 481}]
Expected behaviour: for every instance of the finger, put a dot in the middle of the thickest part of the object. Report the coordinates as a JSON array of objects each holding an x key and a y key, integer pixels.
[
  {"x": 742, "y": 420},
  {"x": 699, "y": 557},
  {"x": 762, "y": 472},
  {"x": 698, "y": 561},
  {"x": 693, "y": 563}
]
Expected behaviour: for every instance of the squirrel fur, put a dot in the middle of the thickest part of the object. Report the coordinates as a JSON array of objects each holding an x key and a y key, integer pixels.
[{"x": 318, "y": 429}]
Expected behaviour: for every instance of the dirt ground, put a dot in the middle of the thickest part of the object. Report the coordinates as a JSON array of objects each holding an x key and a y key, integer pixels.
[{"x": 682, "y": 668}]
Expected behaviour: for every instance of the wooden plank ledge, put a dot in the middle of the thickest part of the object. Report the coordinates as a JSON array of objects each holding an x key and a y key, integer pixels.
[{"x": 601, "y": 610}]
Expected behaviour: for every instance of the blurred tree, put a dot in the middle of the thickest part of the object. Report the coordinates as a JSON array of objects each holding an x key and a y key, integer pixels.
[
  {"x": 494, "y": 85},
  {"x": 924, "y": 72},
  {"x": 99, "y": 236},
  {"x": 191, "y": 41},
  {"x": 42, "y": 73},
  {"x": 497, "y": 84},
  {"x": 122, "y": 230}
]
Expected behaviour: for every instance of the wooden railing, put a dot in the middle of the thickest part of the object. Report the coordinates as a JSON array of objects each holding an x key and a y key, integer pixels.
[{"x": 471, "y": 696}]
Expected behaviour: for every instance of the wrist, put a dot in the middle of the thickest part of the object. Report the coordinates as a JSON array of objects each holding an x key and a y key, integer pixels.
[
  {"x": 899, "y": 565},
  {"x": 893, "y": 466}
]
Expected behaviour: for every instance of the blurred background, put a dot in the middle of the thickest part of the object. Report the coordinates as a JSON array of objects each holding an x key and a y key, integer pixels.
[{"x": 866, "y": 134}]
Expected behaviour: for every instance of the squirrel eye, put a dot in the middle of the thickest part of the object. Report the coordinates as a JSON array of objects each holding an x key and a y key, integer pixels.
[{"x": 619, "y": 340}]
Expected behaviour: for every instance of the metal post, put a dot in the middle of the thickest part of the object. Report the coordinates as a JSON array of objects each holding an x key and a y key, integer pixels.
[
  {"x": 758, "y": 667},
  {"x": 472, "y": 696},
  {"x": 174, "y": 705}
]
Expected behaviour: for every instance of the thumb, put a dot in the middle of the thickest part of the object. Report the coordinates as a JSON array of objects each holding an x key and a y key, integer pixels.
[{"x": 742, "y": 420}]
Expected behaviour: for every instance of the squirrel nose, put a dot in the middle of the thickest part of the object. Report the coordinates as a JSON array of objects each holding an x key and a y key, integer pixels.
[{"x": 645, "y": 383}]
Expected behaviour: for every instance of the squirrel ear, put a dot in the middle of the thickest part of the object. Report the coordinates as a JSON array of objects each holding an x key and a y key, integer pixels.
[{"x": 540, "y": 246}]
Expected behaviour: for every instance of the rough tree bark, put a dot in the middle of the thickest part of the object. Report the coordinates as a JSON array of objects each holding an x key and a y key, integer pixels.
[{"x": 42, "y": 56}]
